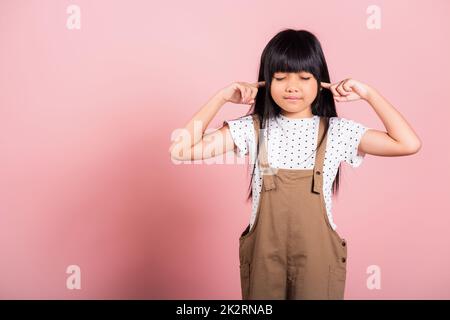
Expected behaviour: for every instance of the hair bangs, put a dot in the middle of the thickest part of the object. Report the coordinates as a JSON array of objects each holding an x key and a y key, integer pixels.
[{"x": 293, "y": 58}]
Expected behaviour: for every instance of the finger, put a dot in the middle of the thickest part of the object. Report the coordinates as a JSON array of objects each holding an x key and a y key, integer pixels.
[
  {"x": 333, "y": 90},
  {"x": 244, "y": 94},
  {"x": 325, "y": 85},
  {"x": 248, "y": 93},
  {"x": 353, "y": 96},
  {"x": 347, "y": 86},
  {"x": 341, "y": 90},
  {"x": 259, "y": 84},
  {"x": 241, "y": 89},
  {"x": 250, "y": 96},
  {"x": 340, "y": 99},
  {"x": 254, "y": 93},
  {"x": 355, "y": 86}
]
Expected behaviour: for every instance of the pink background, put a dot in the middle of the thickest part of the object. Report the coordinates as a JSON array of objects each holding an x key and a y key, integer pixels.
[{"x": 86, "y": 118}]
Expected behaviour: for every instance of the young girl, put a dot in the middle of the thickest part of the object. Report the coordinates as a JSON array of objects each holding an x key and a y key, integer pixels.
[{"x": 296, "y": 143}]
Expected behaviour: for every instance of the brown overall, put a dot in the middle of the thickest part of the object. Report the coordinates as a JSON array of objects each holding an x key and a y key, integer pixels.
[{"x": 292, "y": 252}]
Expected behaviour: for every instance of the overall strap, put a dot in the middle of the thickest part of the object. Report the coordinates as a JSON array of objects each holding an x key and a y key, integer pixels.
[
  {"x": 261, "y": 157},
  {"x": 320, "y": 155}
]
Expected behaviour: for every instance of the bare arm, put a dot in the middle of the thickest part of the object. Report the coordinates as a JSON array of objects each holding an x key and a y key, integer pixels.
[
  {"x": 193, "y": 144},
  {"x": 184, "y": 146},
  {"x": 399, "y": 138},
  {"x": 210, "y": 145}
]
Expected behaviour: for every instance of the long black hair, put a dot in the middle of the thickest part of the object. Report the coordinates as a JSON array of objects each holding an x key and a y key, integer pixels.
[{"x": 292, "y": 51}]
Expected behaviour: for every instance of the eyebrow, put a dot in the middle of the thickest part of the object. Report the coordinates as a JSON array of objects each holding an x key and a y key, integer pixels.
[{"x": 293, "y": 72}]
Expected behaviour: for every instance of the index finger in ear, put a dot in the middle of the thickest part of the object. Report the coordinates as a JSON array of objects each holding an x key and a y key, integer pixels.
[
  {"x": 259, "y": 84},
  {"x": 326, "y": 85}
]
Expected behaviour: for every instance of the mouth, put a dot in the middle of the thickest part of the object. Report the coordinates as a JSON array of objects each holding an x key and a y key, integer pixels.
[{"x": 292, "y": 98}]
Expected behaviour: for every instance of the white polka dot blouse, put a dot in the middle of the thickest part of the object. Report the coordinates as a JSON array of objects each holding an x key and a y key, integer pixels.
[{"x": 291, "y": 145}]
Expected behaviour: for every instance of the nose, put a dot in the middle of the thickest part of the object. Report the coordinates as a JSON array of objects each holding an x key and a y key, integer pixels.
[
  {"x": 292, "y": 89},
  {"x": 293, "y": 86}
]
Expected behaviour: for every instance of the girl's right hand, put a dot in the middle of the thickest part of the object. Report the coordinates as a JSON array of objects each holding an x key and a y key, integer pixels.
[{"x": 241, "y": 92}]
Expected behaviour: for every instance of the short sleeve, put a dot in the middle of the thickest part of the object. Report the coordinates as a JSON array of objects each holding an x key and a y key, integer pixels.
[
  {"x": 241, "y": 130},
  {"x": 350, "y": 134}
]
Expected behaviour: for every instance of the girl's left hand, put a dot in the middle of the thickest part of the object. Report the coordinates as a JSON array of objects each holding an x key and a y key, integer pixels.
[{"x": 347, "y": 90}]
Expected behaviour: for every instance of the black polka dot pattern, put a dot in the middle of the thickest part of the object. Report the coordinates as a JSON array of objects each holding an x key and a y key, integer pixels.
[{"x": 291, "y": 145}]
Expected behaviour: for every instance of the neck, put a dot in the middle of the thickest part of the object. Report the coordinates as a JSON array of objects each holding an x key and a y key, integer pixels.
[{"x": 297, "y": 115}]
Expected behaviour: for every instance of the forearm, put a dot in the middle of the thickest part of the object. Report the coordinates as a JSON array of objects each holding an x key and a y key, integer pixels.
[
  {"x": 196, "y": 127},
  {"x": 396, "y": 125}
]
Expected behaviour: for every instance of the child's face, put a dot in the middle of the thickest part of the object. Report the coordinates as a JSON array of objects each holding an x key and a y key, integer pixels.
[{"x": 301, "y": 85}]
